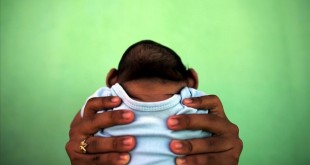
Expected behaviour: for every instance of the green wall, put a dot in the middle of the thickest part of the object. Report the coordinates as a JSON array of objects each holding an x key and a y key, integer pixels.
[{"x": 254, "y": 54}]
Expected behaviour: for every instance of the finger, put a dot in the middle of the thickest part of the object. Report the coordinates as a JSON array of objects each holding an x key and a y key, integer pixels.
[
  {"x": 209, "y": 102},
  {"x": 207, "y": 159},
  {"x": 206, "y": 122},
  {"x": 104, "y": 120},
  {"x": 104, "y": 145},
  {"x": 113, "y": 157},
  {"x": 194, "y": 160},
  {"x": 92, "y": 159},
  {"x": 199, "y": 146},
  {"x": 96, "y": 104}
]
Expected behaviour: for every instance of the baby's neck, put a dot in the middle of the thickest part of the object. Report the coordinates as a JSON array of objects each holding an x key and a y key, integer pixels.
[{"x": 147, "y": 90}]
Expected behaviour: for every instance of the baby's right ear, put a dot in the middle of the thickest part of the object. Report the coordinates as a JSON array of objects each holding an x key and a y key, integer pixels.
[
  {"x": 112, "y": 77},
  {"x": 192, "y": 78}
]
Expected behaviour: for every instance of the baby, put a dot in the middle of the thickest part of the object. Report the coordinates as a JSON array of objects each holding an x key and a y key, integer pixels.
[{"x": 152, "y": 81}]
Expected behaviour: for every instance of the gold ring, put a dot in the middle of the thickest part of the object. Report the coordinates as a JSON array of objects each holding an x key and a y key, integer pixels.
[{"x": 83, "y": 146}]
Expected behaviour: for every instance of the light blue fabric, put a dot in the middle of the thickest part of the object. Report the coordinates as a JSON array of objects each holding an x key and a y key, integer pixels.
[{"x": 149, "y": 127}]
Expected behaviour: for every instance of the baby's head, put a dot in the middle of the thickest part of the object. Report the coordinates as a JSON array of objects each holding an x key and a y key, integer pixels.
[{"x": 149, "y": 60}]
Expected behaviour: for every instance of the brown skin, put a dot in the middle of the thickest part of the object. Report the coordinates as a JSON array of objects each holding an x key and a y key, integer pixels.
[
  {"x": 223, "y": 148},
  {"x": 100, "y": 150}
]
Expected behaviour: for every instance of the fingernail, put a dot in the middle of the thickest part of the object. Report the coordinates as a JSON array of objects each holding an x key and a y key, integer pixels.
[
  {"x": 177, "y": 144},
  {"x": 126, "y": 114},
  {"x": 187, "y": 101},
  {"x": 128, "y": 141},
  {"x": 115, "y": 99},
  {"x": 173, "y": 121},
  {"x": 124, "y": 158},
  {"x": 181, "y": 161}
]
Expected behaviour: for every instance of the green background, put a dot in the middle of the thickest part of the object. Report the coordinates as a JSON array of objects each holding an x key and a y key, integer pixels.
[{"x": 254, "y": 54}]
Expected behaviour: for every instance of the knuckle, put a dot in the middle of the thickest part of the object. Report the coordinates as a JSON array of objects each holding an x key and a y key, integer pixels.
[
  {"x": 92, "y": 124},
  {"x": 209, "y": 158},
  {"x": 192, "y": 160},
  {"x": 199, "y": 100},
  {"x": 212, "y": 118},
  {"x": 211, "y": 143},
  {"x": 68, "y": 147},
  {"x": 112, "y": 117},
  {"x": 93, "y": 144},
  {"x": 217, "y": 100},
  {"x": 196, "y": 102},
  {"x": 215, "y": 97},
  {"x": 90, "y": 101},
  {"x": 237, "y": 150},
  {"x": 189, "y": 146},
  {"x": 72, "y": 155},
  {"x": 234, "y": 129},
  {"x": 104, "y": 102},
  {"x": 115, "y": 116},
  {"x": 96, "y": 160},
  {"x": 115, "y": 143},
  {"x": 235, "y": 157},
  {"x": 187, "y": 121},
  {"x": 240, "y": 144}
]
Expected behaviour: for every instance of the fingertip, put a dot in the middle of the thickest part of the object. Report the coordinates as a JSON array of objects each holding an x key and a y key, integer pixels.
[
  {"x": 180, "y": 161},
  {"x": 115, "y": 99},
  {"x": 129, "y": 142},
  {"x": 173, "y": 122},
  {"x": 187, "y": 101},
  {"x": 128, "y": 115},
  {"x": 124, "y": 158},
  {"x": 176, "y": 145}
]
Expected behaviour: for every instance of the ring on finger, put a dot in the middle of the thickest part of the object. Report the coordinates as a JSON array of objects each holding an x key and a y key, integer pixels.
[{"x": 83, "y": 146}]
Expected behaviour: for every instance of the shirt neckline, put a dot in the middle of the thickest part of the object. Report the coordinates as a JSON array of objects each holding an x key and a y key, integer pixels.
[{"x": 145, "y": 106}]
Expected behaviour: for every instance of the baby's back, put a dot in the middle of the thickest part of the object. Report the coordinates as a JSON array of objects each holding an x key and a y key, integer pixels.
[{"x": 150, "y": 128}]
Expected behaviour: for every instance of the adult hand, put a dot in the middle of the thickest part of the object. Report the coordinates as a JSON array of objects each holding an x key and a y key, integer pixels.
[
  {"x": 222, "y": 148},
  {"x": 99, "y": 150}
]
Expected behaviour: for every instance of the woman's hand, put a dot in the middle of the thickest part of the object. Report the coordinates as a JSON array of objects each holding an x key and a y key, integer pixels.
[
  {"x": 222, "y": 148},
  {"x": 99, "y": 150}
]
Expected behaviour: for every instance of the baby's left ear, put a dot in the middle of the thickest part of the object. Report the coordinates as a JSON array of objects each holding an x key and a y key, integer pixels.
[
  {"x": 192, "y": 78},
  {"x": 112, "y": 78}
]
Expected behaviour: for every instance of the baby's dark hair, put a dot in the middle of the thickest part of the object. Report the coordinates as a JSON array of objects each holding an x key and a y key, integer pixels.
[{"x": 148, "y": 59}]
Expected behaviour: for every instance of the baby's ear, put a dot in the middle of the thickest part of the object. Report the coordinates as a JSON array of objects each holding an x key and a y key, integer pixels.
[
  {"x": 192, "y": 78},
  {"x": 112, "y": 77}
]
